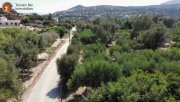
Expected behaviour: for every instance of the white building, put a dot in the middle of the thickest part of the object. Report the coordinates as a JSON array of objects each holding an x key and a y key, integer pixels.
[{"x": 5, "y": 22}]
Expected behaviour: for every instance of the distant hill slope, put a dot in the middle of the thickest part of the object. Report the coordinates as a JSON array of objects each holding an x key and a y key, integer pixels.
[
  {"x": 78, "y": 7},
  {"x": 119, "y": 11},
  {"x": 170, "y": 2}
]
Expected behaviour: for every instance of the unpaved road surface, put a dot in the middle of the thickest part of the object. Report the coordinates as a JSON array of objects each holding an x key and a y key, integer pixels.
[{"x": 46, "y": 89}]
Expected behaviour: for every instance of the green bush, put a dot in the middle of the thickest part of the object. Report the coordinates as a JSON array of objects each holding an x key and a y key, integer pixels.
[
  {"x": 153, "y": 38},
  {"x": 170, "y": 66},
  {"x": 177, "y": 45},
  {"x": 76, "y": 39},
  {"x": 174, "y": 85},
  {"x": 169, "y": 22},
  {"x": 72, "y": 49},
  {"x": 25, "y": 48},
  {"x": 62, "y": 31},
  {"x": 96, "y": 48},
  {"x": 120, "y": 48},
  {"x": 172, "y": 54},
  {"x": 49, "y": 38},
  {"x": 66, "y": 66},
  {"x": 10, "y": 86},
  {"x": 94, "y": 51},
  {"x": 140, "y": 23},
  {"x": 93, "y": 73},
  {"x": 104, "y": 31},
  {"x": 48, "y": 23},
  {"x": 87, "y": 36},
  {"x": 18, "y": 53},
  {"x": 149, "y": 60},
  {"x": 27, "y": 59},
  {"x": 138, "y": 87},
  {"x": 130, "y": 62},
  {"x": 174, "y": 34}
]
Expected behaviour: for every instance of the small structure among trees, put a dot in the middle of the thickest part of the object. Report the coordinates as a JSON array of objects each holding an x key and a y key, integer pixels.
[{"x": 5, "y": 22}]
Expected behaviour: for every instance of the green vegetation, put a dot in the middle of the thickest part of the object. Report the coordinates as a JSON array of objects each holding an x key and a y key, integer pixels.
[
  {"x": 104, "y": 31},
  {"x": 34, "y": 19},
  {"x": 18, "y": 53},
  {"x": 87, "y": 36},
  {"x": 66, "y": 67},
  {"x": 154, "y": 38},
  {"x": 10, "y": 86},
  {"x": 19, "y": 48},
  {"x": 94, "y": 51},
  {"x": 141, "y": 23},
  {"x": 60, "y": 30},
  {"x": 169, "y": 22},
  {"x": 140, "y": 86},
  {"x": 94, "y": 72},
  {"x": 25, "y": 47},
  {"x": 125, "y": 60}
]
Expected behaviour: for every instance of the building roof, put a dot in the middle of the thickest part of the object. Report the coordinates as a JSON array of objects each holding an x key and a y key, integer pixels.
[{"x": 3, "y": 18}]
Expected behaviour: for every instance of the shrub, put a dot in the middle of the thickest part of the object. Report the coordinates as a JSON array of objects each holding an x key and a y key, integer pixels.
[
  {"x": 120, "y": 49},
  {"x": 10, "y": 86},
  {"x": 72, "y": 49},
  {"x": 93, "y": 73},
  {"x": 61, "y": 31},
  {"x": 174, "y": 85},
  {"x": 140, "y": 23},
  {"x": 130, "y": 62},
  {"x": 49, "y": 37},
  {"x": 169, "y": 66},
  {"x": 174, "y": 33},
  {"x": 172, "y": 54},
  {"x": 169, "y": 22},
  {"x": 153, "y": 38},
  {"x": 87, "y": 36},
  {"x": 25, "y": 48},
  {"x": 138, "y": 87},
  {"x": 28, "y": 59},
  {"x": 104, "y": 31},
  {"x": 96, "y": 48},
  {"x": 66, "y": 66},
  {"x": 94, "y": 51},
  {"x": 177, "y": 45},
  {"x": 149, "y": 60}
]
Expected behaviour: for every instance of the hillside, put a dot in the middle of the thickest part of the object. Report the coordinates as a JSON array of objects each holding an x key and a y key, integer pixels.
[
  {"x": 120, "y": 11},
  {"x": 170, "y": 2}
]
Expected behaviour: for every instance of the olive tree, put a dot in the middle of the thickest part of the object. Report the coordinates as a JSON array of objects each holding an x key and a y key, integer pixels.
[{"x": 154, "y": 38}]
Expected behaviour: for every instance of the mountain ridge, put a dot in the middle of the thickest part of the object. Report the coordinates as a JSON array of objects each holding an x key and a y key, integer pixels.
[
  {"x": 76, "y": 7},
  {"x": 80, "y": 11},
  {"x": 170, "y": 2}
]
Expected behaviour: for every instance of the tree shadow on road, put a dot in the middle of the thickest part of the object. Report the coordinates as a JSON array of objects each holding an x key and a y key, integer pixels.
[{"x": 54, "y": 93}]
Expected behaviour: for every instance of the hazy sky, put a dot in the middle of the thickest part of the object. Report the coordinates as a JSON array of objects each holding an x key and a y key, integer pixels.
[{"x": 51, "y": 6}]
